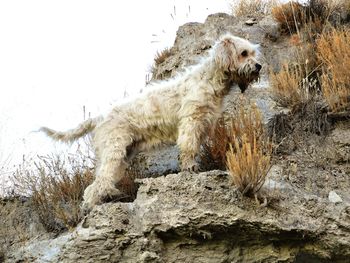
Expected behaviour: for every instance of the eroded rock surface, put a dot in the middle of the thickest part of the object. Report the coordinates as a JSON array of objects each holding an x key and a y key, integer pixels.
[{"x": 201, "y": 218}]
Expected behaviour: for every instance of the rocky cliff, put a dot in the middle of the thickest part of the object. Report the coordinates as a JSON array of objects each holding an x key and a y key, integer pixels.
[{"x": 183, "y": 217}]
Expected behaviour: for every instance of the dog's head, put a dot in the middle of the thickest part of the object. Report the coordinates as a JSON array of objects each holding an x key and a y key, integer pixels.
[{"x": 237, "y": 57}]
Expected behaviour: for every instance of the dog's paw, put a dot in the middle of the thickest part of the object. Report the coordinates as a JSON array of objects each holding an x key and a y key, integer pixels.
[
  {"x": 97, "y": 193},
  {"x": 190, "y": 166}
]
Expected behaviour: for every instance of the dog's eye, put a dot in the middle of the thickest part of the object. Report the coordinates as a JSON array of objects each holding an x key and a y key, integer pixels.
[{"x": 244, "y": 53}]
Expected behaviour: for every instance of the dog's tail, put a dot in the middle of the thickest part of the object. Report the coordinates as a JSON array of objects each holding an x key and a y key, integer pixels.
[{"x": 74, "y": 134}]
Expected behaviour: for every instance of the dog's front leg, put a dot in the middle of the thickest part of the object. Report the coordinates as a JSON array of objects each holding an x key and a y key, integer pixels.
[{"x": 191, "y": 133}]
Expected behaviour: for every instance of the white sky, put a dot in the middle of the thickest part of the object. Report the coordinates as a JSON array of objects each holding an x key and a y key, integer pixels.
[{"x": 57, "y": 56}]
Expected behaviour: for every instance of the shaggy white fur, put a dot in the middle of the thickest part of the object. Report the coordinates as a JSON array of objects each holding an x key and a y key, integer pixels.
[{"x": 178, "y": 110}]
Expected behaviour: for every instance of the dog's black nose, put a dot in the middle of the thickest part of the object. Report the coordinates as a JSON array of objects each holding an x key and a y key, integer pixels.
[{"x": 258, "y": 67}]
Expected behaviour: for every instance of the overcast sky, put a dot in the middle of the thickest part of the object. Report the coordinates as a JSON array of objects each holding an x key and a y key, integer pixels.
[{"x": 58, "y": 56}]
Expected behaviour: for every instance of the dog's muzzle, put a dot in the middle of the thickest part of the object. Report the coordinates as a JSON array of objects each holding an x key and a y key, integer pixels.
[{"x": 250, "y": 76}]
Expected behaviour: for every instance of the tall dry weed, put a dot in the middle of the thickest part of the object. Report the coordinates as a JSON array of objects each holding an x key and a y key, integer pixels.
[
  {"x": 55, "y": 186},
  {"x": 245, "y": 123},
  {"x": 291, "y": 16},
  {"x": 252, "y": 7},
  {"x": 249, "y": 155},
  {"x": 313, "y": 14},
  {"x": 287, "y": 87},
  {"x": 333, "y": 50},
  {"x": 248, "y": 165},
  {"x": 214, "y": 151},
  {"x": 161, "y": 56}
]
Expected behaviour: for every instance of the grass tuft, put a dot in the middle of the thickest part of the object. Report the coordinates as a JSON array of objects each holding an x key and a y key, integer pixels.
[
  {"x": 56, "y": 188},
  {"x": 249, "y": 155},
  {"x": 214, "y": 151},
  {"x": 290, "y": 16},
  {"x": 286, "y": 86},
  {"x": 56, "y": 184},
  {"x": 161, "y": 56},
  {"x": 314, "y": 14},
  {"x": 251, "y": 7},
  {"x": 248, "y": 165},
  {"x": 333, "y": 50},
  {"x": 239, "y": 144}
]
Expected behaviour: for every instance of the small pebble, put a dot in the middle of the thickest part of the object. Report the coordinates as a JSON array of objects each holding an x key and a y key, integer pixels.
[
  {"x": 333, "y": 197},
  {"x": 251, "y": 22}
]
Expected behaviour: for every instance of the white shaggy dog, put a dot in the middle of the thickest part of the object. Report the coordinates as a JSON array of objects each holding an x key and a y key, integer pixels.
[{"x": 178, "y": 110}]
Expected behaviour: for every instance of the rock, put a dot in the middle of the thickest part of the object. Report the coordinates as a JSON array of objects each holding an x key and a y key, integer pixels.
[
  {"x": 271, "y": 28},
  {"x": 251, "y": 21},
  {"x": 193, "y": 40},
  {"x": 157, "y": 162},
  {"x": 333, "y": 197},
  {"x": 202, "y": 218}
]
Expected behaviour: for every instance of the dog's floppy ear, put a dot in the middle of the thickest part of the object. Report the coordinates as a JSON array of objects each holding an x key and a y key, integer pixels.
[{"x": 226, "y": 54}]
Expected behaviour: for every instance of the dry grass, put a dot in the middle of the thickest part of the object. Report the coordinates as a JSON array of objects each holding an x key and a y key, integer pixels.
[
  {"x": 297, "y": 86},
  {"x": 290, "y": 16},
  {"x": 251, "y": 7},
  {"x": 56, "y": 188},
  {"x": 240, "y": 145},
  {"x": 161, "y": 56},
  {"x": 56, "y": 184},
  {"x": 248, "y": 165},
  {"x": 245, "y": 122},
  {"x": 249, "y": 155},
  {"x": 128, "y": 186},
  {"x": 287, "y": 86},
  {"x": 214, "y": 151},
  {"x": 315, "y": 14},
  {"x": 299, "y": 81},
  {"x": 333, "y": 50},
  {"x": 322, "y": 57}
]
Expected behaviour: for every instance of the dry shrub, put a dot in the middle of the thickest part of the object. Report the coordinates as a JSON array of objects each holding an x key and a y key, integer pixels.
[
  {"x": 214, "y": 151},
  {"x": 55, "y": 184},
  {"x": 287, "y": 86},
  {"x": 56, "y": 188},
  {"x": 243, "y": 123},
  {"x": 290, "y": 16},
  {"x": 240, "y": 144},
  {"x": 161, "y": 56},
  {"x": 320, "y": 70},
  {"x": 128, "y": 186},
  {"x": 251, "y": 7},
  {"x": 297, "y": 88},
  {"x": 248, "y": 165},
  {"x": 333, "y": 50},
  {"x": 247, "y": 123},
  {"x": 249, "y": 155},
  {"x": 320, "y": 10},
  {"x": 288, "y": 130}
]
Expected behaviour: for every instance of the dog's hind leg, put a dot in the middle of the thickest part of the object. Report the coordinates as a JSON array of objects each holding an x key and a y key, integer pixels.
[{"x": 111, "y": 153}]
